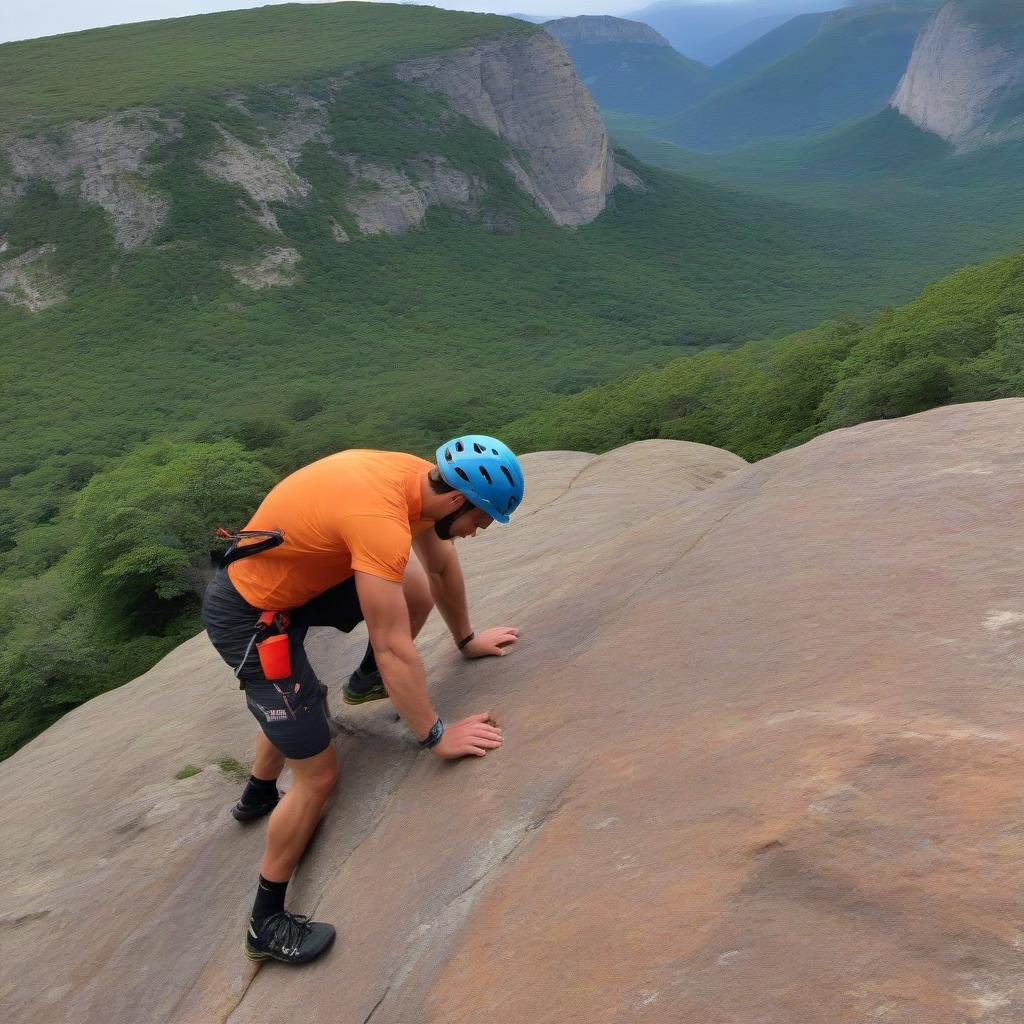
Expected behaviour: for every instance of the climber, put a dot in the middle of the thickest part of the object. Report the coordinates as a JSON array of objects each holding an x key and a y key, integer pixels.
[{"x": 337, "y": 536}]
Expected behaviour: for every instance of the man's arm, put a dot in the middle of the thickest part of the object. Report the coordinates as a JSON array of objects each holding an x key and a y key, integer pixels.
[
  {"x": 441, "y": 563},
  {"x": 387, "y": 618}
]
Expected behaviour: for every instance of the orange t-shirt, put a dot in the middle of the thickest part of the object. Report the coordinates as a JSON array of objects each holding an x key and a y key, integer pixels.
[{"x": 353, "y": 511}]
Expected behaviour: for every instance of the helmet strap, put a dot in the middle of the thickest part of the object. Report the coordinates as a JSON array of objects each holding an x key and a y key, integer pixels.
[{"x": 443, "y": 527}]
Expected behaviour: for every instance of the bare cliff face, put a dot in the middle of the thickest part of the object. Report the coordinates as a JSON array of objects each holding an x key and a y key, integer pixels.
[
  {"x": 964, "y": 78},
  {"x": 523, "y": 89},
  {"x": 591, "y": 28},
  {"x": 527, "y": 92}
]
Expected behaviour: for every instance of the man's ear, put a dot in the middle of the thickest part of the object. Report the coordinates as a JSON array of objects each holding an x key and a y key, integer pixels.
[{"x": 455, "y": 500}]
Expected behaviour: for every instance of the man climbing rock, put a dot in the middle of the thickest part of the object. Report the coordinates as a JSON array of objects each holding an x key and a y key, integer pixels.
[{"x": 330, "y": 546}]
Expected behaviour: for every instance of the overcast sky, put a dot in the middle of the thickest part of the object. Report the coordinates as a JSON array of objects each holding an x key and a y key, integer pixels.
[{"x": 26, "y": 19}]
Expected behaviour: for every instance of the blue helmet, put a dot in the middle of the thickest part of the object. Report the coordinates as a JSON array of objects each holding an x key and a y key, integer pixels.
[{"x": 485, "y": 472}]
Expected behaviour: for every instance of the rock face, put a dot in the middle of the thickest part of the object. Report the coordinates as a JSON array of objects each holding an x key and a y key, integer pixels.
[
  {"x": 590, "y": 28},
  {"x": 26, "y": 281},
  {"x": 762, "y": 763},
  {"x": 263, "y": 172},
  {"x": 398, "y": 203},
  {"x": 965, "y": 82},
  {"x": 526, "y": 91},
  {"x": 106, "y": 161},
  {"x": 275, "y": 267}
]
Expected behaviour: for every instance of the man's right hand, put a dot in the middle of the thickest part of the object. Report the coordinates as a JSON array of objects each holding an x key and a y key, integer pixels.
[{"x": 474, "y": 735}]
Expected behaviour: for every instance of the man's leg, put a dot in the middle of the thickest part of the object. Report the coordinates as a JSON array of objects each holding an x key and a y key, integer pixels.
[
  {"x": 295, "y": 817},
  {"x": 269, "y": 761},
  {"x": 260, "y": 795},
  {"x": 296, "y": 727},
  {"x": 365, "y": 682}
]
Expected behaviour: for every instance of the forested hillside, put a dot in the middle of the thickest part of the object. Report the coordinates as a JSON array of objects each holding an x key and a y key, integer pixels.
[{"x": 961, "y": 341}]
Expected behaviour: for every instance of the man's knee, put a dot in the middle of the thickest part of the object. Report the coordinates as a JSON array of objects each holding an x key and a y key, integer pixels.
[{"x": 318, "y": 774}]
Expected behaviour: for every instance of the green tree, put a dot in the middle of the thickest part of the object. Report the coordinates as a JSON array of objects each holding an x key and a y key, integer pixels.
[{"x": 146, "y": 524}]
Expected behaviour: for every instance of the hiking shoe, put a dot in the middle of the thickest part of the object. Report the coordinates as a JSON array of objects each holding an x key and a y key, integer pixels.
[
  {"x": 362, "y": 687},
  {"x": 290, "y": 938},
  {"x": 243, "y": 811}
]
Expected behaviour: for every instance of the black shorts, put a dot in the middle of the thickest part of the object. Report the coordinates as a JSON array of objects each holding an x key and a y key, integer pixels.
[{"x": 290, "y": 711}]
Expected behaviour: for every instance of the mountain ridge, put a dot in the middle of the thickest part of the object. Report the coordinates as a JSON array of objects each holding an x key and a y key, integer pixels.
[
  {"x": 629, "y": 67},
  {"x": 522, "y": 88}
]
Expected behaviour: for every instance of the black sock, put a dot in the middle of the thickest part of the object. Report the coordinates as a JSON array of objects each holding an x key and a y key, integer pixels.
[
  {"x": 258, "y": 791},
  {"x": 269, "y": 899},
  {"x": 369, "y": 663}
]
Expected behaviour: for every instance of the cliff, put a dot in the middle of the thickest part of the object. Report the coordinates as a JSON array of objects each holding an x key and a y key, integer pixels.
[
  {"x": 527, "y": 92},
  {"x": 965, "y": 80},
  {"x": 372, "y": 147},
  {"x": 761, "y": 762}
]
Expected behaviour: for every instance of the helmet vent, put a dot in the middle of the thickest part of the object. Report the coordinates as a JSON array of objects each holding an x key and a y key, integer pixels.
[
  {"x": 508, "y": 476},
  {"x": 462, "y": 473},
  {"x": 478, "y": 448},
  {"x": 459, "y": 446},
  {"x": 485, "y": 475}
]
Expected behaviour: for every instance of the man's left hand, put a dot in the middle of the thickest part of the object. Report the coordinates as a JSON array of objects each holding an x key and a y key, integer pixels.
[{"x": 491, "y": 642}]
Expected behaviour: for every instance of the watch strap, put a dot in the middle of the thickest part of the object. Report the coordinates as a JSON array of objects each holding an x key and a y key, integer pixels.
[{"x": 434, "y": 736}]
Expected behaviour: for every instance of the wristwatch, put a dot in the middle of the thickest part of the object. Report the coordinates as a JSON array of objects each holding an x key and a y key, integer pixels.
[{"x": 434, "y": 736}]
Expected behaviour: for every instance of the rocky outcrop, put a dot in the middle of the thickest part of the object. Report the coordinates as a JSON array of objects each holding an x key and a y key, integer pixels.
[
  {"x": 274, "y": 268},
  {"x": 964, "y": 82},
  {"x": 107, "y": 161},
  {"x": 396, "y": 203},
  {"x": 589, "y": 28},
  {"x": 761, "y": 763},
  {"x": 262, "y": 172},
  {"x": 27, "y": 281},
  {"x": 525, "y": 90}
]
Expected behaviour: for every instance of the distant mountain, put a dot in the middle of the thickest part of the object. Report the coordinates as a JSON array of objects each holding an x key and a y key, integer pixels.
[
  {"x": 710, "y": 32},
  {"x": 849, "y": 69},
  {"x": 629, "y": 67},
  {"x": 965, "y": 82},
  {"x": 769, "y": 48},
  {"x": 537, "y": 19}
]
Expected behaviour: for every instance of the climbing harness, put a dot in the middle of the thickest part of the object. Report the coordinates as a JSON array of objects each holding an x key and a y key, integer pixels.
[
  {"x": 236, "y": 550},
  {"x": 270, "y": 637}
]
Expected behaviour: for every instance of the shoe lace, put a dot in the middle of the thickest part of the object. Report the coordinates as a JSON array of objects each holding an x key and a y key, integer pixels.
[{"x": 286, "y": 930}]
